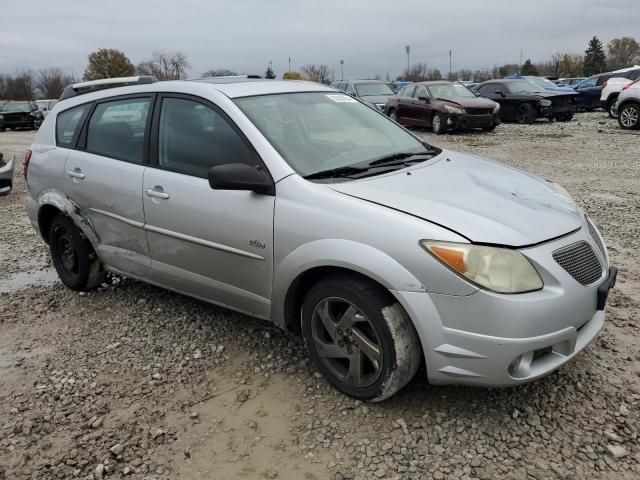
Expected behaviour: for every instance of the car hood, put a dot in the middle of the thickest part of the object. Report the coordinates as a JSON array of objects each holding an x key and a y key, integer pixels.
[
  {"x": 484, "y": 201},
  {"x": 550, "y": 94},
  {"x": 469, "y": 102},
  {"x": 375, "y": 98}
]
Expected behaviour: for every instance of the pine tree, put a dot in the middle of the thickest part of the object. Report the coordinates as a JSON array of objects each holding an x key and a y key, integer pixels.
[
  {"x": 529, "y": 68},
  {"x": 269, "y": 73},
  {"x": 595, "y": 59}
]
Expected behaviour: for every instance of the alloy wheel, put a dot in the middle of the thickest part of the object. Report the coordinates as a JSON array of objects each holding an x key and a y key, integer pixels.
[
  {"x": 435, "y": 124},
  {"x": 629, "y": 117},
  {"x": 346, "y": 342}
]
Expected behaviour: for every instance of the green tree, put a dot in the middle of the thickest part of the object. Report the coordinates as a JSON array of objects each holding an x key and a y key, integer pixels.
[
  {"x": 269, "y": 73},
  {"x": 623, "y": 52},
  {"x": 108, "y": 63},
  {"x": 292, "y": 76},
  {"x": 595, "y": 60},
  {"x": 529, "y": 68}
]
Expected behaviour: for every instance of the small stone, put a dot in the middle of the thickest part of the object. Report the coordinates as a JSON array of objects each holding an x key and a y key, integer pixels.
[
  {"x": 157, "y": 433},
  {"x": 97, "y": 423},
  {"x": 624, "y": 411},
  {"x": 127, "y": 471},
  {"x": 270, "y": 473},
  {"x": 617, "y": 451},
  {"x": 194, "y": 415},
  {"x": 243, "y": 396},
  {"x": 197, "y": 354},
  {"x": 98, "y": 472},
  {"x": 117, "y": 449},
  {"x": 156, "y": 376},
  {"x": 403, "y": 426},
  {"x": 614, "y": 437}
]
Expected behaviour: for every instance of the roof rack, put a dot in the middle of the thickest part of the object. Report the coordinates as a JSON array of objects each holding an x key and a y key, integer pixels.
[{"x": 94, "y": 85}]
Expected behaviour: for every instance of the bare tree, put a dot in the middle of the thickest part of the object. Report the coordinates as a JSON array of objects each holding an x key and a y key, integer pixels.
[
  {"x": 417, "y": 73},
  {"x": 622, "y": 52},
  {"x": 218, "y": 72},
  {"x": 52, "y": 81},
  {"x": 18, "y": 87},
  {"x": 165, "y": 65},
  {"x": 317, "y": 73}
]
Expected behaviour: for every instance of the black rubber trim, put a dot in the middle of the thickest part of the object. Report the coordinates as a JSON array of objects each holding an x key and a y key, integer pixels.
[{"x": 608, "y": 284}]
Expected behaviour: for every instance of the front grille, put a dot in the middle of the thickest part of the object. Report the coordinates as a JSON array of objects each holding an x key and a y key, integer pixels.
[
  {"x": 478, "y": 111},
  {"x": 580, "y": 261},
  {"x": 14, "y": 117},
  {"x": 596, "y": 237}
]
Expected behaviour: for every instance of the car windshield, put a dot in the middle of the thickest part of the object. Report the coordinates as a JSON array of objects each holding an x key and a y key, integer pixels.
[
  {"x": 373, "y": 88},
  {"x": 449, "y": 90},
  {"x": 320, "y": 131},
  {"x": 16, "y": 107},
  {"x": 542, "y": 82},
  {"x": 521, "y": 86}
]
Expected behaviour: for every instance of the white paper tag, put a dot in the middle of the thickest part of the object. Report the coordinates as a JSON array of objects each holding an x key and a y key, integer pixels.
[{"x": 342, "y": 98}]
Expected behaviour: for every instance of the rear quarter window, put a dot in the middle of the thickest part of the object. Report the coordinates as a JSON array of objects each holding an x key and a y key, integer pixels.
[{"x": 68, "y": 124}]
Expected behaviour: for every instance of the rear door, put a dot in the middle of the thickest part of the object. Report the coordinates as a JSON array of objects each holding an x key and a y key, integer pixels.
[
  {"x": 212, "y": 244},
  {"x": 104, "y": 178},
  {"x": 405, "y": 105},
  {"x": 420, "y": 108}
]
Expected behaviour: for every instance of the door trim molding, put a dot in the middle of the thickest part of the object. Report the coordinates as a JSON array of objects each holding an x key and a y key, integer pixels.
[
  {"x": 128, "y": 221},
  {"x": 204, "y": 243}
]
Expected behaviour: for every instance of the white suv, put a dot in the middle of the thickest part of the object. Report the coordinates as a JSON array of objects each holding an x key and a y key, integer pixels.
[
  {"x": 612, "y": 87},
  {"x": 628, "y": 106}
]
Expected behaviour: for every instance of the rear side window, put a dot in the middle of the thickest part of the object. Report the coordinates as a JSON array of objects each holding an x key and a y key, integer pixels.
[
  {"x": 68, "y": 124},
  {"x": 116, "y": 129},
  {"x": 193, "y": 137}
]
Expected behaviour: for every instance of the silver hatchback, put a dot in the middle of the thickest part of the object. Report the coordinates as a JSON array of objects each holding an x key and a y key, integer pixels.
[{"x": 298, "y": 204}]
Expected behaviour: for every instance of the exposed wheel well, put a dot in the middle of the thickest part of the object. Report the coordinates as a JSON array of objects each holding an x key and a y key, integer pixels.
[
  {"x": 628, "y": 102},
  {"x": 45, "y": 215},
  {"x": 301, "y": 285}
]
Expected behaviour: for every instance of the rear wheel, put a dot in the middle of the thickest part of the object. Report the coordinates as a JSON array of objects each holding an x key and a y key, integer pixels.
[
  {"x": 610, "y": 107},
  {"x": 525, "y": 113},
  {"x": 359, "y": 337},
  {"x": 439, "y": 124},
  {"x": 73, "y": 257},
  {"x": 629, "y": 116}
]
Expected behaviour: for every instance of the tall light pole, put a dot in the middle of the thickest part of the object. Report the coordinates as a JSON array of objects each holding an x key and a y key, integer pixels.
[
  {"x": 289, "y": 63},
  {"x": 450, "y": 65},
  {"x": 408, "y": 49},
  {"x": 341, "y": 69}
]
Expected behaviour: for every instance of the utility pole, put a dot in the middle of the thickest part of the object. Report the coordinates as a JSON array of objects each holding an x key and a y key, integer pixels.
[
  {"x": 341, "y": 69},
  {"x": 289, "y": 63},
  {"x": 450, "y": 65},
  {"x": 408, "y": 49},
  {"x": 520, "y": 59}
]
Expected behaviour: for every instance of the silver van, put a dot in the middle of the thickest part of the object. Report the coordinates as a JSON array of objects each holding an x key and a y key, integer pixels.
[{"x": 298, "y": 204}]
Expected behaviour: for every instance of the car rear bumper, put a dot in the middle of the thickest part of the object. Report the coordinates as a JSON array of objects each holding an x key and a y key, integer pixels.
[{"x": 6, "y": 176}]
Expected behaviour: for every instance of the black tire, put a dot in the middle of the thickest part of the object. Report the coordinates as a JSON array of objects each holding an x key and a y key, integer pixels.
[
  {"x": 490, "y": 128},
  {"x": 371, "y": 324},
  {"x": 392, "y": 115},
  {"x": 610, "y": 103},
  {"x": 73, "y": 256},
  {"x": 629, "y": 116},
  {"x": 565, "y": 117},
  {"x": 439, "y": 124},
  {"x": 525, "y": 113}
]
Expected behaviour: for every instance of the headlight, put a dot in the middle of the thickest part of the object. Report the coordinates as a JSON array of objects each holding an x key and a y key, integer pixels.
[
  {"x": 1, "y": 117},
  {"x": 545, "y": 102},
  {"x": 452, "y": 109},
  {"x": 501, "y": 270},
  {"x": 496, "y": 109}
]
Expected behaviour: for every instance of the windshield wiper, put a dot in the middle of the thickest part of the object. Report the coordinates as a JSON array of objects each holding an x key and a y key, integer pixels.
[
  {"x": 335, "y": 172},
  {"x": 404, "y": 156}
]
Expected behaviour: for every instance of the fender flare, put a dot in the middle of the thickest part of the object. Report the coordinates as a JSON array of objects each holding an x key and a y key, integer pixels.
[
  {"x": 346, "y": 254},
  {"x": 69, "y": 207}
]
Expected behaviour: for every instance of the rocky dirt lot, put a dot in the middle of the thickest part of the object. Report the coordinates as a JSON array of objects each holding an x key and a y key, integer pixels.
[{"x": 131, "y": 381}]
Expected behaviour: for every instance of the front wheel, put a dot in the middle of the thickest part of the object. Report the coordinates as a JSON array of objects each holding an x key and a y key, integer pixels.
[
  {"x": 525, "y": 113},
  {"x": 359, "y": 337},
  {"x": 392, "y": 115},
  {"x": 629, "y": 116},
  {"x": 73, "y": 257},
  {"x": 565, "y": 117},
  {"x": 439, "y": 124}
]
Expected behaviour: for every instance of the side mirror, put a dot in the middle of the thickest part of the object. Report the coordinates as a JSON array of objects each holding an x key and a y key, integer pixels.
[
  {"x": 424, "y": 99},
  {"x": 499, "y": 92},
  {"x": 240, "y": 176}
]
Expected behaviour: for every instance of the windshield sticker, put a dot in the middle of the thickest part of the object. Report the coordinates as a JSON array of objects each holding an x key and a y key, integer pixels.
[{"x": 342, "y": 98}]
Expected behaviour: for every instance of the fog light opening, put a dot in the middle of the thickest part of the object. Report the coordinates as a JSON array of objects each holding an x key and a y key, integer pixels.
[{"x": 519, "y": 366}]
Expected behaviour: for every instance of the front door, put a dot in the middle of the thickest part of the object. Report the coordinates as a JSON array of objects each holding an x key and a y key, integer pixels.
[
  {"x": 216, "y": 245},
  {"x": 405, "y": 104}
]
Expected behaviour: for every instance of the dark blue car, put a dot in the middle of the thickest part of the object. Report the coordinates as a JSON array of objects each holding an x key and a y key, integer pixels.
[{"x": 589, "y": 91}]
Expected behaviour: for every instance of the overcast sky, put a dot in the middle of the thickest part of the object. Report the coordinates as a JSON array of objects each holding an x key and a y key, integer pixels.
[{"x": 370, "y": 35}]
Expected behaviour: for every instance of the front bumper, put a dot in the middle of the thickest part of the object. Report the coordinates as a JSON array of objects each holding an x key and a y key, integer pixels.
[
  {"x": 493, "y": 340},
  {"x": 6, "y": 176},
  {"x": 467, "y": 121}
]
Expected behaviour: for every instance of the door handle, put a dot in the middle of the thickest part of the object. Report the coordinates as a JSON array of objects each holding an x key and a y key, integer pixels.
[
  {"x": 156, "y": 192},
  {"x": 76, "y": 173}
]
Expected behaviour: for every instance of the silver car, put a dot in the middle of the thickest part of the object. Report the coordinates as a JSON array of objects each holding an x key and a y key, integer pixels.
[
  {"x": 301, "y": 205},
  {"x": 6, "y": 174}
]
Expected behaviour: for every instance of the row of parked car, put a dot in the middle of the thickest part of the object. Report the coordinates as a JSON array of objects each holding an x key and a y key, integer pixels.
[
  {"x": 24, "y": 114},
  {"x": 445, "y": 106}
]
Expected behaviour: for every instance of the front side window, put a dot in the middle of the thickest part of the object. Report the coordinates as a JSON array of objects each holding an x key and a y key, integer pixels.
[
  {"x": 317, "y": 131},
  {"x": 421, "y": 92},
  {"x": 193, "y": 137},
  {"x": 408, "y": 92},
  {"x": 116, "y": 129},
  {"x": 68, "y": 123},
  {"x": 589, "y": 82}
]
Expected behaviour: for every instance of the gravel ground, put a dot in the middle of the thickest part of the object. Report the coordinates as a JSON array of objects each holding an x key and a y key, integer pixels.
[{"x": 131, "y": 381}]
